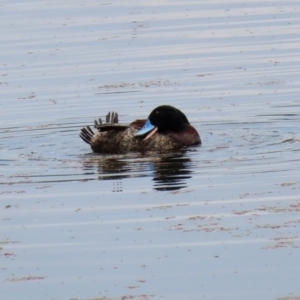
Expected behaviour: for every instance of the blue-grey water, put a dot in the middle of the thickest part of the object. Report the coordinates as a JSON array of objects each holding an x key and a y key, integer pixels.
[{"x": 220, "y": 221}]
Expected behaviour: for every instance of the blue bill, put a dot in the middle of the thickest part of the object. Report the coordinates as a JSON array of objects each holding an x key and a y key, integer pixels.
[{"x": 146, "y": 128}]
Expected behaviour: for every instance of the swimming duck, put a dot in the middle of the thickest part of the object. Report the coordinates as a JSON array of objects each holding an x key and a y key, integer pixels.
[{"x": 166, "y": 128}]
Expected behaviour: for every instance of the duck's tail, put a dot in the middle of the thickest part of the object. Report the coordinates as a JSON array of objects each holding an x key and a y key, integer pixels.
[
  {"x": 86, "y": 134},
  {"x": 111, "y": 123}
]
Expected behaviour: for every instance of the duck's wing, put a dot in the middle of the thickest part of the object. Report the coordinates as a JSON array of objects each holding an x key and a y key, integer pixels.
[
  {"x": 106, "y": 127},
  {"x": 112, "y": 123}
]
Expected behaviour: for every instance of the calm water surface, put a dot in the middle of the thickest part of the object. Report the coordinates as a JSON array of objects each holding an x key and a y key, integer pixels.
[{"x": 220, "y": 221}]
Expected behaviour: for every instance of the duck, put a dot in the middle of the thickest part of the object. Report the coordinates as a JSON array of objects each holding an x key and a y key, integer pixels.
[{"x": 166, "y": 128}]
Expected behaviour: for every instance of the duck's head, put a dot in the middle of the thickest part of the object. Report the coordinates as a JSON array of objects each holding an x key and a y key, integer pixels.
[{"x": 163, "y": 119}]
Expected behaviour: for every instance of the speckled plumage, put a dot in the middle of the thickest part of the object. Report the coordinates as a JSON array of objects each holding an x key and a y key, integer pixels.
[{"x": 114, "y": 138}]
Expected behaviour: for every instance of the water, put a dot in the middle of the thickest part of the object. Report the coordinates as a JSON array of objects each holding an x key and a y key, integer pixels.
[{"x": 220, "y": 221}]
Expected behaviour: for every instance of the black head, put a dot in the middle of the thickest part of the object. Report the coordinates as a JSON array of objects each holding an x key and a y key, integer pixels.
[{"x": 168, "y": 118}]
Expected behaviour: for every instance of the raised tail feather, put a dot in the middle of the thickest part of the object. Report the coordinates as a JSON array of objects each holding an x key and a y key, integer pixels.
[
  {"x": 86, "y": 134},
  {"x": 111, "y": 123},
  {"x": 111, "y": 118}
]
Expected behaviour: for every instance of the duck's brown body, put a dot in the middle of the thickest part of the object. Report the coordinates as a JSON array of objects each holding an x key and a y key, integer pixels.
[{"x": 114, "y": 138}]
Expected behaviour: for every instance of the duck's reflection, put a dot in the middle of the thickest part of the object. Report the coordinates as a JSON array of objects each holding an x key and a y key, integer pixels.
[{"x": 170, "y": 172}]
